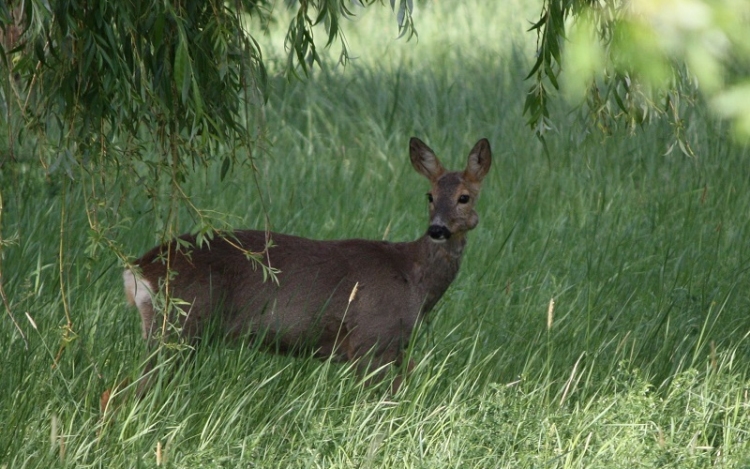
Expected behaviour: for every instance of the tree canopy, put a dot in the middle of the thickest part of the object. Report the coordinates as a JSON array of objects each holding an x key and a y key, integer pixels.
[{"x": 95, "y": 73}]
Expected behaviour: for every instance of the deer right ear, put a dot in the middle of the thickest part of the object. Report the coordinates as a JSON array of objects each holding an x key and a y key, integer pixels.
[
  {"x": 424, "y": 160},
  {"x": 480, "y": 160}
]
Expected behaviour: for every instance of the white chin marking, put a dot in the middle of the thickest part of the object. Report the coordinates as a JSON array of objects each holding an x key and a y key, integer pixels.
[{"x": 439, "y": 240}]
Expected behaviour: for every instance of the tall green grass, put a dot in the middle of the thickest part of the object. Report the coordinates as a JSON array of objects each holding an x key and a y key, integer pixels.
[{"x": 644, "y": 253}]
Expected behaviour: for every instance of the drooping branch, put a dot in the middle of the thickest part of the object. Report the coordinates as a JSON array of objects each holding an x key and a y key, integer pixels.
[{"x": 625, "y": 64}]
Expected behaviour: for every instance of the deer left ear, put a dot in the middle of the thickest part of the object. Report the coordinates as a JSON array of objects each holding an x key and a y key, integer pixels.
[{"x": 480, "y": 160}]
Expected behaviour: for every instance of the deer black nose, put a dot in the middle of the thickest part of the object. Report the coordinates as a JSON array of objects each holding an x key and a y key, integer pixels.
[{"x": 438, "y": 232}]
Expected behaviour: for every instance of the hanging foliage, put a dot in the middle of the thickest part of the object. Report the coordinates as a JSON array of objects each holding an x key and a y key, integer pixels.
[{"x": 627, "y": 63}]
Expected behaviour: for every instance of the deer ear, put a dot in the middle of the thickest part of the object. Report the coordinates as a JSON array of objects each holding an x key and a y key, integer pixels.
[
  {"x": 424, "y": 160},
  {"x": 480, "y": 160}
]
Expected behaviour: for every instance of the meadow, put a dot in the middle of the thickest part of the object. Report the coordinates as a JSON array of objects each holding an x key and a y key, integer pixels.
[{"x": 600, "y": 318}]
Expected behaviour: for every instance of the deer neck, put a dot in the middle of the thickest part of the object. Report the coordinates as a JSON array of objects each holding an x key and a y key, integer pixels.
[{"x": 437, "y": 266}]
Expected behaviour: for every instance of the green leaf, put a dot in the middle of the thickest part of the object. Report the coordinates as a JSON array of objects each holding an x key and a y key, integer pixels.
[
  {"x": 182, "y": 69},
  {"x": 539, "y": 62},
  {"x": 224, "y": 168},
  {"x": 551, "y": 75},
  {"x": 197, "y": 99},
  {"x": 157, "y": 32}
]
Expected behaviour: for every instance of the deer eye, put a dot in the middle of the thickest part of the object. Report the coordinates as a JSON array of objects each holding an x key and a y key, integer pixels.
[
  {"x": 464, "y": 199},
  {"x": 429, "y": 197}
]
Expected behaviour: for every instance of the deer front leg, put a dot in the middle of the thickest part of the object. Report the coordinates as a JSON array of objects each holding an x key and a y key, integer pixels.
[{"x": 376, "y": 359}]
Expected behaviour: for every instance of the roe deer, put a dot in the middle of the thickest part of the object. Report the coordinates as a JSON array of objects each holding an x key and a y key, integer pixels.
[{"x": 314, "y": 304}]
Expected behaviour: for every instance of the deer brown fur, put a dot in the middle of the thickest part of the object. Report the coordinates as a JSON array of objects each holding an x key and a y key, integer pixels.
[{"x": 313, "y": 304}]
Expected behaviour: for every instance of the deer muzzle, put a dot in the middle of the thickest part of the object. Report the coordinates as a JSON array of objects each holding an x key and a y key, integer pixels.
[{"x": 438, "y": 233}]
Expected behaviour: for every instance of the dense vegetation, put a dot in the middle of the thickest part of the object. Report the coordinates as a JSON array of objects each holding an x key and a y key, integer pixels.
[{"x": 642, "y": 359}]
